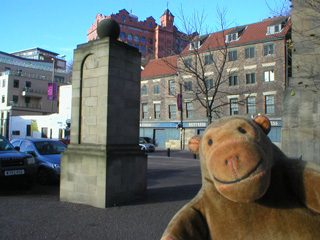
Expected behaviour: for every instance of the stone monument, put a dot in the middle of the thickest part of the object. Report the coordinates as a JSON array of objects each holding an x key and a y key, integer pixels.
[{"x": 103, "y": 165}]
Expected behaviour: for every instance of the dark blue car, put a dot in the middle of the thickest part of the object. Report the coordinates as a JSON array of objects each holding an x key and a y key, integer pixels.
[
  {"x": 16, "y": 167},
  {"x": 47, "y": 153}
]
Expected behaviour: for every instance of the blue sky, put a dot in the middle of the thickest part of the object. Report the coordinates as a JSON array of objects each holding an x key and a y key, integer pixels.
[{"x": 60, "y": 25}]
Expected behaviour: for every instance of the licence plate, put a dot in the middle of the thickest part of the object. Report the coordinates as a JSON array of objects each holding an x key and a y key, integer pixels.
[{"x": 14, "y": 172}]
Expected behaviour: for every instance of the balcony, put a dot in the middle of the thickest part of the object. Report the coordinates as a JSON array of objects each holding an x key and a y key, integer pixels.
[
  {"x": 34, "y": 93},
  {"x": 27, "y": 105}
]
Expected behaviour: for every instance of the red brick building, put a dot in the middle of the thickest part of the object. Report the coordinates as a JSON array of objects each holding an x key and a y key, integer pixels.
[{"x": 153, "y": 40}]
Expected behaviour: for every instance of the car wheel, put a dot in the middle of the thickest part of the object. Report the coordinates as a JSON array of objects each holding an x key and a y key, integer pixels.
[{"x": 43, "y": 176}]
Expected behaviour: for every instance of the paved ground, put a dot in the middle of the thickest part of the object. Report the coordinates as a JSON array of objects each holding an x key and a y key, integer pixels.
[{"x": 38, "y": 214}]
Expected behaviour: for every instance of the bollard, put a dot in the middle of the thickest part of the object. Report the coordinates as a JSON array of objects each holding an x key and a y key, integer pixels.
[{"x": 168, "y": 152}]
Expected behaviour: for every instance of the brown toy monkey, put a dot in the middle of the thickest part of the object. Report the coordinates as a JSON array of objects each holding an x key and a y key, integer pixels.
[{"x": 250, "y": 189}]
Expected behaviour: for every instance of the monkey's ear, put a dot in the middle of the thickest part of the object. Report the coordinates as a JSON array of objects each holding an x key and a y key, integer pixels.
[
  {"x": 194, "y": 144},
  {"x": 264, "y": 123}
]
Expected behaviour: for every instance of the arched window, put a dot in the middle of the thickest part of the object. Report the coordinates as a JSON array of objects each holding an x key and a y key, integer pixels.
[
  {"x": 150, "y": 24},
  {"x": 143, "y": 40},
  {"x": 136, "y": 38},
  {"x": 129, "y": 36},
  {"x": 123, "y": 18},
  {"x": 122, "y": 35}
]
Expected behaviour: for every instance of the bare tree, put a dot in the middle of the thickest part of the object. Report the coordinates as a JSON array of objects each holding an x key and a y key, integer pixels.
[
  {"x": 279, "y": 8},
  {"x": 202, "y": 69},
  {"x": 69, "y": 70}
]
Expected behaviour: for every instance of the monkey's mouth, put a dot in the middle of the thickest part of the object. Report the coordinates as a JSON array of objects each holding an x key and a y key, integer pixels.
[{"x": 245, "y": 176}]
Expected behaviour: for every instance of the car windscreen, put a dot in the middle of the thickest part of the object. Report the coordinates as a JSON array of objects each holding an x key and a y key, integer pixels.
[
  {"x": 5, "y": 145},
  {"x": 50, "y": 147}
]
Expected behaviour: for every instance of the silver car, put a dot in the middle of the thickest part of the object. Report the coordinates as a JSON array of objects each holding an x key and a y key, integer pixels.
[{"x": 145, "y": 146}]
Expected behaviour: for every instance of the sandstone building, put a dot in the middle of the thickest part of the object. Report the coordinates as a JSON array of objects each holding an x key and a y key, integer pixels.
[{"x": 254, "y": 75}]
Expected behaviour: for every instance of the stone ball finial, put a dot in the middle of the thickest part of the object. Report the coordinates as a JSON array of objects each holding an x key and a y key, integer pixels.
[{"x": 108, "y": 28}]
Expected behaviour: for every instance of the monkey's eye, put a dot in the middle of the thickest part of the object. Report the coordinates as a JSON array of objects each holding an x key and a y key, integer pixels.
[
  {"x": 210, "y": 142},
  {"x": 242, "y": 130}
]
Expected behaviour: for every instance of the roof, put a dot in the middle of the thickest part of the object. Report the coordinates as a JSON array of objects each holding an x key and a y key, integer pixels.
[
  {"x": 34, "y": 49},
  {"x": 160, "y": 67},
  {"x": 256, "y": 32},
  {"x": 167, "y": 12},
  {"x": 253, "y": 33},
  {"x": 278, "y": 21}
]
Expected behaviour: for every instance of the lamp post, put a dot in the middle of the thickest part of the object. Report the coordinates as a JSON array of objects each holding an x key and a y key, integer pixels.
[
  {"x": 52, "y": 80},
  {"x": 10, "y": 120}
]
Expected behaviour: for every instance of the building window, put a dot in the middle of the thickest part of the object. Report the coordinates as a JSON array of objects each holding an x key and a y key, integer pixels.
[
  {"x": 268, "y": 49},
  {"x": 17, "y": 133},
  {"x": 143, "y": 39},
  {"x": 19, "y": 71},
  {"x": 28, "y": 130},
  {"x": 188, "y": 86},
  {"x": 16, "y": 83},
  {"x": 27, "y": 100},
  {"x": 269, "y": 76},
  {"x": 250, "y": 78},
  {"x": 3, "y": 98},
  {"x": 188, "y": 62},
  {"x": 144, "y": 90},
  {"x": 15, "y": 98},
  {"x": 269, "y": 104},
  {"x": 130, "y": 36},
  {"x": 233, "y": 55},
  {"x": 3, "y": 83},
  {"x": 143, "y": 49},
  {"x": 232, "y": 37},
  {"x": 251, "y": 105},
  {"x": 233, "y": 80},
  {"x": 123, "y": 18},
  {"x": 156, "y": 89},
  {"x": 234, "y": 106},
  {"x": 44, "y": 132},
  {"x": 250, "y": 52},
  {"x": 189, "y": 109},
  {"x": 150, "y": 24},
  {"x": 156, "y": 111},
  {"x": 28, "y": 84},
  {"x": 172, "y": 111},
  {"x": 123, "y": 35},
  {"x": 171, "y": 87},
  {"x": 209, "y": 83},
  {"x": 150, "y": 41},
  {"x": 136, "y": 38},
  {"x": 208, "y": 59},
  {"x": 144, "y": 110}
]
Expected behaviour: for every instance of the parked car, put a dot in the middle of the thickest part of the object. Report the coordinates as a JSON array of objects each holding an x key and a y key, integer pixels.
[
  {"x": 145, "y": 146},
  {"x": 148, "y": 140},
  {"x": 16, "y": 167},
  {"x": 65, "y": 140},
  {"x": 47, "y": 153}
]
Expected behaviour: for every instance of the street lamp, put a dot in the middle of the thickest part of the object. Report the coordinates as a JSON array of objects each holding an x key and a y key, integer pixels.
[
  {"x": 11, "y": 103},
  {"x": 52, "y": 80}
]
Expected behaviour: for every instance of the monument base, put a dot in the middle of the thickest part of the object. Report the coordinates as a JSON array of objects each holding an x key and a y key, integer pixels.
[{"x": 103, "y": 176}]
